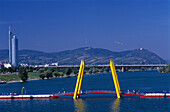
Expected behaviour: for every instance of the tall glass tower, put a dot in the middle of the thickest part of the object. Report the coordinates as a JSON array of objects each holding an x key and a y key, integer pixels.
[
  {"x": 10, "y": 46},
  {"x": 13, "y": 49}
]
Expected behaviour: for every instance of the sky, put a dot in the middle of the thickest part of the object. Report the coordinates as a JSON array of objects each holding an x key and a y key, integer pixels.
[{"x": 117, "y": 25}]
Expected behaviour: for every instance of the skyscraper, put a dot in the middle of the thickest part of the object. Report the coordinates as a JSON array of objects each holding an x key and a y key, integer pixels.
[
  {"x": 13, "y": 49},
  {"x": 10, "y": 46}
]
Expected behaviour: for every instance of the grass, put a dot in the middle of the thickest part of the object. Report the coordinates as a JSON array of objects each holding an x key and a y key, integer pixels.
[
  {"x": 9, "y": 77},
  {"x": 32, "y": 75},
  {"x": 15, "y": 77}
]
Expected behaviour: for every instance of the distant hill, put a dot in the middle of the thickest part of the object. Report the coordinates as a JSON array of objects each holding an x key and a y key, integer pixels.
[{"x": 92, "y": 56}]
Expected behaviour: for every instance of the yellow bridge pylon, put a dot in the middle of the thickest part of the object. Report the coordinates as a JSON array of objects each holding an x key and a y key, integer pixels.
[
  {"x": 115, "y": 79},
  {"x": 80, "y": 79}
]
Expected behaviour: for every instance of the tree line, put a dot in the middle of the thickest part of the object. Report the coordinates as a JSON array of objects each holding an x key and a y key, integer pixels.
[
  {"x": 50, "y": 72},
  {"x": 165, "y": 69},
  {"x": 68, "y": 71}
]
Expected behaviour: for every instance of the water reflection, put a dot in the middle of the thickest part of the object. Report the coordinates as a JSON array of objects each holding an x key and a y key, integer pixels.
[
  {"x": 79, "y": 105},
  {"x": 116, "y": 105}
]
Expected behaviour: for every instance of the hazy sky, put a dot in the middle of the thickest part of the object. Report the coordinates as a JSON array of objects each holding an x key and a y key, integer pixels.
[{"x": 117, "y": 25}]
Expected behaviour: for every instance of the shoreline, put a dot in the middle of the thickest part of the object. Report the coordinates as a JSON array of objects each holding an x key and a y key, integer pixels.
[
  {"x": 20, "y": 81},
  {"x": 39, "y": 79},
  {"x": 73, "y": 75}
]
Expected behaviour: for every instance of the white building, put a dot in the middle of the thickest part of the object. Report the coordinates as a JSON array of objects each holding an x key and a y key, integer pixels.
[
  {"x": 7, "y": 65},
  {"x": 54, "y": 64}
]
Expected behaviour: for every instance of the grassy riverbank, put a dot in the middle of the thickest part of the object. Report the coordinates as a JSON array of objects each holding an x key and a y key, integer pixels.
[
  {"x": 15, "y": 77},
  {"x": 30, "y": 73},
  {"x": 31, "y": 76},
  {"x": 10, "y": 75}
]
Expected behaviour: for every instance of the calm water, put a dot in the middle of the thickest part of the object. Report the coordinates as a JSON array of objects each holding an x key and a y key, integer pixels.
[{"x": 143, "y": 81}]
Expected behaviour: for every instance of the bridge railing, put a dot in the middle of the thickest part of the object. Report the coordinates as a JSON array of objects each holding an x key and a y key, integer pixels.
[
  {"x": 98, "y": 90},
  {"x": 63, "y": 93},
  {"x": 113, "y": 91},
  {"x": 110, "y": 91}
]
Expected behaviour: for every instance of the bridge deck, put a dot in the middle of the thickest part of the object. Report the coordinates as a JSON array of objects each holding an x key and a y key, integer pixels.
[
  {"x": 93, "y": 92},
  {"x": 128, "y": 94}
]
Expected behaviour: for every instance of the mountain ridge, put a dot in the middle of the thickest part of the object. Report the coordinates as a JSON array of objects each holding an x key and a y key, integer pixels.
[{"x": 92, "y": 56}]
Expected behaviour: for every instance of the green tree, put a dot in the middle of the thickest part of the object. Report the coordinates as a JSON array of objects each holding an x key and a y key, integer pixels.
[
  {"x": 56, "y": 74},
  {"x": 106, "y": 69},
  {"x": 41, "y": 70},
  {"x": 42, "y": 76},
  {"x": 3, "y": 70},
  {"x": 37, "y": 68},
  {"x": 74, "y": 70},
  {"x": 168, "y": 68},
  {"x": 52, "y": 69},
  {"x": 161, "y": 69},
  {"x": 10, "y": 69},
  {"x": 59, "y": 69},
  {"x": 23, "y": 74},
  {"x": 164, "y": 69},
  {"x": 101, "y": 70},
  {"x": 67, "y": 71},
  {"x": 31, "y": 69},
  {"x": 48, "y": 74},
  {"x": 90, "y": 71}
]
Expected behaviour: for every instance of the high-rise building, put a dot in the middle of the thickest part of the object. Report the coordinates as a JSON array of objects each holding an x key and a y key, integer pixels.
[
  {"x": 13, "y": 49},
  {"x": 10, "y": 46}
]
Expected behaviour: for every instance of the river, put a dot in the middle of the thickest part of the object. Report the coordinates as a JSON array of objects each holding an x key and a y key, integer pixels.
[{"x": 150, "y": 81}]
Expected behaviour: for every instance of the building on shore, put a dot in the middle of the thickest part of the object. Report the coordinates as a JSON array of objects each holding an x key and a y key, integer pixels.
[
  {"x": 7, "y": 65},
  {"x": 13, "y": 49}
]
